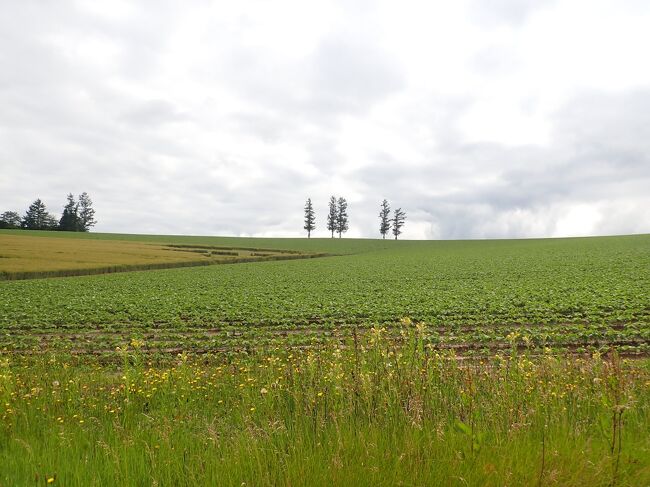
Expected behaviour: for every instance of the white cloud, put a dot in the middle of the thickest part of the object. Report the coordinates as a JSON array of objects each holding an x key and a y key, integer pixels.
[
  {"x": 578, "y": 220},
  {"x": 521, "y": 119}
]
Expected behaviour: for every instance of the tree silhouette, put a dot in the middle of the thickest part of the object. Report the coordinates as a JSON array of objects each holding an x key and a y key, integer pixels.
[
  {"x": 10, "y": 219},
  {"x": 37, "y": 217},
  {"x": 384, "y": 219},
  {"x": 310, "y": 218},
  {"x": 398, "y": 222},
  {"x": 69, "y": 221},
  {"x": 86, "y": 212},
  {"x": 331, "y": 216},
  {"x": 341, "y": 216}
]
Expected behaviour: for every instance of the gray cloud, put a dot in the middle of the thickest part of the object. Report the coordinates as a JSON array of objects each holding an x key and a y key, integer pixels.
[
  {"x": 202, "y": 118},
  {"x": 351, "y": 77},
  {"x": 600, "y": 156},
  {"x": 153, "y": 113}
]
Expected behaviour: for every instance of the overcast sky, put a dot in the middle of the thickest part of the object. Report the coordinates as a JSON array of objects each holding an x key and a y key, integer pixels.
[{"x": 507, "y": 118}]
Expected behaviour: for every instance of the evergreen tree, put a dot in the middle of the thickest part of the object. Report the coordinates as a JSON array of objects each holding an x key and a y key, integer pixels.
[
  {"x": 398, "y": 222},
  {"x": 51, "y": 223},
  {"x": 10, "y": 219},
  {"x": 310, "y": 218},
  {"x": 70, "y": 219},
  {"x": 341, "y": 216},
  {"x": 86, "y": 213},
  {"x": 384, "y": 218},
  {"x": 331, "y": 216},
  {"x": 37, "y": 217}
]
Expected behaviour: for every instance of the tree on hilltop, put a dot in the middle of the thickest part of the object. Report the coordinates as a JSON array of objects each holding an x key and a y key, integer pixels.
[
  {"x": 384, "y": 219},
  {"x": 86, "y": 212},
  {"x": 10, "y": 219},
  {"x": 398, "y": 222},
  {"x": 37, "y": 217},
  {"x": 341, "y": 216},
  {"x": 69, "y": 221},
  {"x": 331, "y": 216},
  {"x": 310, "y": 218}
]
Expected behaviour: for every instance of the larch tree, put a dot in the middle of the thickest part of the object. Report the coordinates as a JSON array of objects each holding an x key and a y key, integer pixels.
[
  {"x": 341, "y": 216},
  {"x": 310, "y": 218},
  {"x": 399, "y": 217},
  {"x": 384, "y": 219},
  {"x": 332, "y": 215}
]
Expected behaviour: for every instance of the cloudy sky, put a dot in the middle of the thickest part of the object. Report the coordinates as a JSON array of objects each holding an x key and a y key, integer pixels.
[{"x": 508, "y": 118}]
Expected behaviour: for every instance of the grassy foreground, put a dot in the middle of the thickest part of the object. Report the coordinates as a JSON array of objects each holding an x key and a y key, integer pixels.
[{"x": 371, "y": 412}]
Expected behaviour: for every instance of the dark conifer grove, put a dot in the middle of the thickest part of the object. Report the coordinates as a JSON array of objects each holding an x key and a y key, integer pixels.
[
  {"x": 77, "y": 216},
  {"x": 10, "y": 219},
  {"x": 69, "y": 221}
]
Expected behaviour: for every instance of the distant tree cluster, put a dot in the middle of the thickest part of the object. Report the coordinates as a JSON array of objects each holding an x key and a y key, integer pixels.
[
  {"x": 78, "y": 216},
  {"x": 387, "y": 223},
  {"x": 337, "y": 218}
]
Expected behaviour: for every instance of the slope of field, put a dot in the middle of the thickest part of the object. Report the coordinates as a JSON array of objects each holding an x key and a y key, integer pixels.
[
  {"x": 27, "y": 255},
  {"x": 579, "y": 294}
]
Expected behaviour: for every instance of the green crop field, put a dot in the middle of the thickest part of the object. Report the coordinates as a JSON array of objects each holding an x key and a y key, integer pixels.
[
  {"x": 497, "y": 362},
  {"x": 581, "y": 294}
]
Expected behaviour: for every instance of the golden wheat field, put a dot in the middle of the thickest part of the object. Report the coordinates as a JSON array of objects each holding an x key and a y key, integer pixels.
[{"x": 26, "y": 256}]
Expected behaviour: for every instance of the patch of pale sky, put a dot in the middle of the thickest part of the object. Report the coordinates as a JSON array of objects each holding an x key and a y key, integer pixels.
[{"x": 579, "y": 220}]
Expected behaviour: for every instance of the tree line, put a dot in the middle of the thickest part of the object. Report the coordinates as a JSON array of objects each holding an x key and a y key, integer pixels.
[
  {"x": 337, "y": 218},
  {"x": 78, "y": 216}
]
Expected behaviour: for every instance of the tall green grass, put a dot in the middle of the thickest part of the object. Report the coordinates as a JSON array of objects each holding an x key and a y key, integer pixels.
[{"x": 372, "y": 411}]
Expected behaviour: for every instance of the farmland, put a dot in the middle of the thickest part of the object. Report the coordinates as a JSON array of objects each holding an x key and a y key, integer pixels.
[
  {"x": 464, "y": 363},
  {"x": 25, "y": 256},
  {"x": 578, "y": 294}
]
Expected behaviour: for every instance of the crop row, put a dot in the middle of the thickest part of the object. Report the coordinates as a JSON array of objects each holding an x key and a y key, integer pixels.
[{"x": 628, "y": 337}]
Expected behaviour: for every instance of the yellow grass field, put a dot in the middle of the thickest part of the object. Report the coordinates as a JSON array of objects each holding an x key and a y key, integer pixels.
[{"x": 25, "y": 256}]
